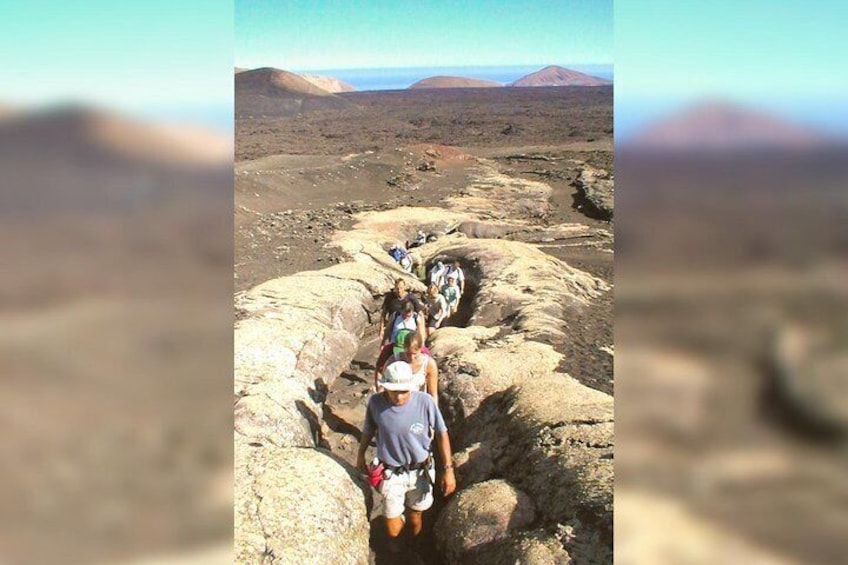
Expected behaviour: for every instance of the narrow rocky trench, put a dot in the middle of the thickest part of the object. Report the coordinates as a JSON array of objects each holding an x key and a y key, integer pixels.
[
  {"x": 344, "y": 414},
  {"x": 344, "y": 410},
  {"x": 532, "y": 445}
]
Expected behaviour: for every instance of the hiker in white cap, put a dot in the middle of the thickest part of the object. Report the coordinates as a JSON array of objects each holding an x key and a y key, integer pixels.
[{"x": 404, "y": 421}]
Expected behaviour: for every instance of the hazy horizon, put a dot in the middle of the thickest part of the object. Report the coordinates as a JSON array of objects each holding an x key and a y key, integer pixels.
[{"x": 397, "y": 78}]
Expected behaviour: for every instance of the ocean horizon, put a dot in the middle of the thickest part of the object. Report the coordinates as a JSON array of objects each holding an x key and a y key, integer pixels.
[{"x": 400, "y": 78}]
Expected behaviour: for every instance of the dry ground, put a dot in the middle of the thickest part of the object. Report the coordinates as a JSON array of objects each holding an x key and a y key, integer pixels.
[{"x": 299, "y": 179}]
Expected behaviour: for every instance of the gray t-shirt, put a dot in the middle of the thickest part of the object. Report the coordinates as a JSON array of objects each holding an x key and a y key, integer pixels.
[{"x": 403, "y": 432}]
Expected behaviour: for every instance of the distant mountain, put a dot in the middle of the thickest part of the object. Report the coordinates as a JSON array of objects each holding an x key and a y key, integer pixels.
[
  {"x": 273, "y": 92},
  {"x": 330, "y": 84},
  {"x": 7, "y": 112},
  {"x": 720, "y": 125},
  {"x": 454, "y": 82},
  {"x": 84, "y": 130},
  {"x": 559, "y": 76},
  {"x": 84, "y": 159}
]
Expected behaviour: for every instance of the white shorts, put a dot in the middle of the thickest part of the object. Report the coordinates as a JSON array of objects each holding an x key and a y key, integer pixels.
[{"x": 413, "y": 490}]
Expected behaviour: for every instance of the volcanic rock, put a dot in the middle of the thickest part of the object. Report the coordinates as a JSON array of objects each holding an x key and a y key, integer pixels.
[
  {"x": 597, "y": 192},
  {"x": 528, "y": 548},
  {"x": 481, "y": 514},
  {"x": 294, "y": 335},
  {"x": 283, "y": 513},
  {"x": 809, "y": 369}
]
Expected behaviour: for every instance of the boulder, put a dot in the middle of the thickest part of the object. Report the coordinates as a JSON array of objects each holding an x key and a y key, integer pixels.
[
  {"x": 481, "y": 514},
  {"x": 470, "y": 376},
  {"x": 295, "y": 505},
  {"x": 596, "y": 190},
  {"x": 281, "y": 414},
  {"x": 527, "y": 548},
  {"x": 474, "y": 464},
  {"x": 298, "y": 333},
  {"x": 451, "y": 341},
  {"x": 295, "y": 335},
  {"x": 809, "y": 372},
  {"x": 552, "y": 437},
  {"x": 568, "y": 446}
]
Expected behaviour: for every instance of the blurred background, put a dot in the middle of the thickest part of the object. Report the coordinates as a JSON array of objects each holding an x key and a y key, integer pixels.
[
  {"x": 115, "y": 299},
  {"x": 116, "y": 295},
  {"x": 731, "y": 302}
]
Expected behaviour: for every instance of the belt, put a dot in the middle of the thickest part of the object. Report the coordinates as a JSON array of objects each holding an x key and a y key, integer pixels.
[{"x": 409, "y": 466}]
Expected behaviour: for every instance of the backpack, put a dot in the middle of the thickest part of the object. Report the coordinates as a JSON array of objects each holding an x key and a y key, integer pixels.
[{"x": 397, "y": 253}]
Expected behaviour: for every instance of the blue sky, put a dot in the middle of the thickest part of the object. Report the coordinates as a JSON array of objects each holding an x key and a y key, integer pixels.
[
  {"x": 154, "y": 57},
  {"x": 775, "y": 55},
  {"x": 175, "y": 58},
  {"x": 328, "y": 34}
]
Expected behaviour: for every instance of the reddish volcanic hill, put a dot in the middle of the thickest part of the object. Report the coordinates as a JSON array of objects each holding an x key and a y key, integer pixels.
[
  {"x": 7, "y": 112},
  {"x": 330, "y": 84},
  {"x": 720, "y": 125},
  {"x": 272, "y": 92},
  {"x": 454, "y": 82},
  {"x": 559, "y": 76},
  {"x": 88, "y": 132},
  {"x": 83, "y": 159}
]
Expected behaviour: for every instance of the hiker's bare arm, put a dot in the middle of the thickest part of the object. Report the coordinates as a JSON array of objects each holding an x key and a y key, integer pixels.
[
  {"x": 433, "y": 380},
  {"x": 364, "y": 442},
  {"x": 384, "y": 318},
  {"x": 448, "y": 478},
  {"x": 422, "y": 329},
  {"x": 378, "y": 373}
]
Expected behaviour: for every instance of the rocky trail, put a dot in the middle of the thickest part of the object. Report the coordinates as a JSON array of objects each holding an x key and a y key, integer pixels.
[{"x": 525, "y": 385}]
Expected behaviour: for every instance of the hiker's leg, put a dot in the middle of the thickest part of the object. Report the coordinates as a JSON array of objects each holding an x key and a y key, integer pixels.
[
  {"x": 394, "y": 526},
  {"x": 418, "y": 500},
  {"x": 393, "y": 490},
  {"x": 415, "y": 522}
]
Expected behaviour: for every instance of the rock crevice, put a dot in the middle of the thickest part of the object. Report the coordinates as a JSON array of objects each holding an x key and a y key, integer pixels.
[{"x": 524, "y": 431}]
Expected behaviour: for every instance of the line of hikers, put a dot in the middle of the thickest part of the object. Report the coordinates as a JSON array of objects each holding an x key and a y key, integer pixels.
[
  {"x": 445, "y": 290},
  {"x": 403, "y": 413}
]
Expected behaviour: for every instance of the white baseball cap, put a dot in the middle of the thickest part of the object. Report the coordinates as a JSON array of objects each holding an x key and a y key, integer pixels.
[{"x": 398, "y": 376}]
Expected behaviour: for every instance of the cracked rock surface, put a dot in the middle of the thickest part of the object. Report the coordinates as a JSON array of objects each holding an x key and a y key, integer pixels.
[
  {"x": 533, "y": 445},
  {"x": 331, "y": 524}
]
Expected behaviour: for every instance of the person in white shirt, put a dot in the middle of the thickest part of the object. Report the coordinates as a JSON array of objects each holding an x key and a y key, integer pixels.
[{"x": 455, "y": 269}]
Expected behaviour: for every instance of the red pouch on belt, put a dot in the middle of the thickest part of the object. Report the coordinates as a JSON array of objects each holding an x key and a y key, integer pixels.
[{"x": 375, "y": 474}]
